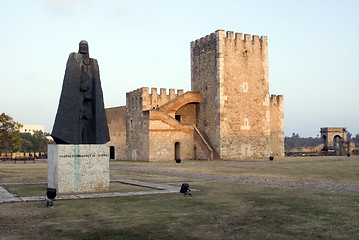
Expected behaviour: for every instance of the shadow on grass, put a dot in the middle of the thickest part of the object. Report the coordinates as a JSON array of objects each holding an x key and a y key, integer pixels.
[{"x": 29, "y": 190}]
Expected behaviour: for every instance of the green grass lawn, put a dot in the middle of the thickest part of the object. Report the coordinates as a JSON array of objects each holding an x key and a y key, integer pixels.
[
  {"x": 221, "y": 210},
  {"x": 20, "y": 172}
]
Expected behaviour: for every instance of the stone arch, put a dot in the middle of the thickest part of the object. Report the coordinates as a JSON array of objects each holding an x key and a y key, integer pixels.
[
  {"x": 335, "y": 141},
  {"x": 177, "y": 103},
  {"x": 186, "y": 114},
  {"x": 328, "y": 134}
]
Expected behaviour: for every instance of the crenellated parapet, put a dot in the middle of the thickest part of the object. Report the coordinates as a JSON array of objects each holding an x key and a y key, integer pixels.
[
  {"x": 144, "y": 99},
  {"x": 204, "y": 44},
  {"x": 134, "y": 100},
  {"x": 276, "y": 100},
  {"x": 244, "y": 41},
  {"x": 238, "y": 40}
]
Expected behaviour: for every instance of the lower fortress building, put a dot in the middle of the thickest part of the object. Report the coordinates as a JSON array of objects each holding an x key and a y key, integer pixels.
[{"x": 227, "y": 115}]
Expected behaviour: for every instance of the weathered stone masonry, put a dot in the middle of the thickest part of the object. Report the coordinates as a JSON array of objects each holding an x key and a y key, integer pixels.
[
  {"x": 116, "y": 120},
  {"x": 152, "y": 128},
  {"x": 236, "y": 111},
  {"x": 228, "y": 115}
]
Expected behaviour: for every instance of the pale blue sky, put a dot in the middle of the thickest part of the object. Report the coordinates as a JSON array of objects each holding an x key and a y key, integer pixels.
[{"x": 313, "y": 52}]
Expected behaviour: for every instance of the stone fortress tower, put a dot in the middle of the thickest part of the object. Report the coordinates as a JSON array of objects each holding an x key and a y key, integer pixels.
[
  {"x": 236, "y": 114},
  {"x": 228, "y": 115}
]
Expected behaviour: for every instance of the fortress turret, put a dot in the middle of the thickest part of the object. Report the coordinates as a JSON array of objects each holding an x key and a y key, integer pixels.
[{"x": 231, "y": 73}]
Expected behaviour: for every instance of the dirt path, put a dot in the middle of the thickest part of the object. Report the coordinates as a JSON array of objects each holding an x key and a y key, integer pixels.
[{"x": 274, "y": 181}]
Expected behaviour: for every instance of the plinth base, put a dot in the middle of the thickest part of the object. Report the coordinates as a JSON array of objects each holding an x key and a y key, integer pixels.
[{"x": 78, "y": 168}]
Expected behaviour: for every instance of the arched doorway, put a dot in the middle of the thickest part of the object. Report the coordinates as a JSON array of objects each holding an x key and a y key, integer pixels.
[
  {"x": 177, "y": 151},
  {"x": 195, "y": 153},
  {"x": 337, "y": 141},
  {"x": 112, "y": 152}
]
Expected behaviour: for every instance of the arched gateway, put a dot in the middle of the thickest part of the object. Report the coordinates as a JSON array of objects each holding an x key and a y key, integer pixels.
[{"x": 335, "y": 141}]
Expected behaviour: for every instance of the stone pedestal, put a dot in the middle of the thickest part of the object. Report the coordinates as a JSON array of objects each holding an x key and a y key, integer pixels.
[{"x": 78, "y": 168}]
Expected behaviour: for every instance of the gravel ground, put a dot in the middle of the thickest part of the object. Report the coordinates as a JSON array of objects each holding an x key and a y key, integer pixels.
[{"x": 274, "y": 181}]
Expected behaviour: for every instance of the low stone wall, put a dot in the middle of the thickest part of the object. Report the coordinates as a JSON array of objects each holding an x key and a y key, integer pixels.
[{"x": 306, "y": 151}]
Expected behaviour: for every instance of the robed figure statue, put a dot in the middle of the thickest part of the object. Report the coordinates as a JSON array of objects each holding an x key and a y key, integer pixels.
[{"x": 81, "y": 117}]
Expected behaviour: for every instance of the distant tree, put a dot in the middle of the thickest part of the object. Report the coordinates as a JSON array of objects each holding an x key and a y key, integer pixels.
[
  {"x": 10, "y": 140},
  {"x": 349, "y": 136},
  {"x": 41, "y": 141},
  {"x": 295, "y": 135},
  {"x": 26, "y": 144},
  {"x": 356, "y": 140},
  {"x": 36, "y": 142}
]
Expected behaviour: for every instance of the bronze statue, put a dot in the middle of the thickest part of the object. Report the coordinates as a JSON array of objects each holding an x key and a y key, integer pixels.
[{"x": 81, "y": 117}]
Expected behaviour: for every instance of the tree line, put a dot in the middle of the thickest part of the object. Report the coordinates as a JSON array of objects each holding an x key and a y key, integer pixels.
[
  {"x": 11, "y": 140},
  {"x": 295, "y": 141}
]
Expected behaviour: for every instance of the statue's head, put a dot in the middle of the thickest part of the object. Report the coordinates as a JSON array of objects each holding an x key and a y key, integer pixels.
[{"x": 84, "y": 47}]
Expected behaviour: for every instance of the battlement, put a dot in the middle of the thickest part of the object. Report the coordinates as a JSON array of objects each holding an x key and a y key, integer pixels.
[
  {"x": 236, "y": 38},
  {"x": 276, "y": 100},
  {"x": 229, "y": 35},
  {"x": 163, "y": 93},
  {"x": 150, "y": 100},
  {"x": 204, "y": 40}
]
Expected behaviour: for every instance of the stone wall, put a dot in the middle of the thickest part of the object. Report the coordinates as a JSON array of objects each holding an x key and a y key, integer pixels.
[
  {"x": 231, "y": 74},
  {"x": 244, "y": 96},
  {"x": 202, "y": 150},
  {"x": 300, "y": 151},
  {"x": 277, "y": 125},
  {"x": 137, "y": 125},
  {"x": 187, "y": 114},
  {"x": 204, "y": 60},
  {"x": 162, "y": 144},
  {"x": 139, "y": 104},
  {"x": 116, "y": 121},
  {"x": 165, "y": 132}
]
